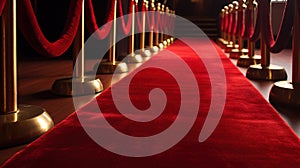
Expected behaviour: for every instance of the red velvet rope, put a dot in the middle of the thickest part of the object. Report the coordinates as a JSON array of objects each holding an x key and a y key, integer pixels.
[
  {"x": 256, "y": 34},
  {"x": 32, "y": 32},
  {"x": 233, "y": 24},
  {"x": 2, "y": 4},
  {"x": 126, "y": 27},
  {"x": 229, "y": 23},
  {"x": 139, "y": 18},
  {"x": 226, "y": 22},
  {"x": 91, "y": 21},
  {"x": 285, "y": 28},
  {"x": 239, "y": 29},
  {"x": 248, "y": 28}
]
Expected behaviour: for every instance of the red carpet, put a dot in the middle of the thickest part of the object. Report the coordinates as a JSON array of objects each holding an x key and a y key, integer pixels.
[{"x": 250, "y": 132}]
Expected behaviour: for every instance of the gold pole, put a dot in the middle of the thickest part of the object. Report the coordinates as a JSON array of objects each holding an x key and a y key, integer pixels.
[
  {"x": 235, "y": 10},
  {"x": 113, "y": 66},
  {"x": 252, "y": 5},
  {"x": 251, "y": 58},
  {"x": 9, "y": 56},
  {"x": 223, "y": 41},
  {"x": 157, "y": 32},
  {"x": 165, "y": 36},
  {"x": 265, "y": 53},
  {"x": 142, "y": 36},
  {"x": 225, "y": 33},
  {"x": 162, "y": 32},
  {"x": 151, "y": 6},
  {"x": 143, "y": 52},
  {"x": 114, "y": 34},
  {"x": 64, "y": 86},
  {"x": 238, "y": 49},
  {"x": 288, "y": 93},
  {"x": 231, "y": 39},
  {"x": 131, "y": 39},
  {"x": 23, "y": 123},
  {"x": 132, "y": 57},
  {"x": 161, "y": 35}
]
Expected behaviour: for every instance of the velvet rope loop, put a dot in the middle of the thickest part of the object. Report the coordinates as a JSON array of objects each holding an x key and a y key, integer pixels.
[
  {"x": 2, "y": 4},
  {"x": 285, "y": 28},
  {"x": 239, "y": 29},
  {"x": 92, "y": 25},
  {"x": 230, "y": 22},
  {"x": 248, "y": 28},
  {"x": 126, "y": 27},
  {"x": 139, "y": 19},
  {"x": 226, "y": 22},
  {"x": 256, "y": 33},
  {"x": 32, "y": 32}
]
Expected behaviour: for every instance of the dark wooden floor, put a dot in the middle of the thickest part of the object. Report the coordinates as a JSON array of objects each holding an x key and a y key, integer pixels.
[{"x": 35, "y": 78}]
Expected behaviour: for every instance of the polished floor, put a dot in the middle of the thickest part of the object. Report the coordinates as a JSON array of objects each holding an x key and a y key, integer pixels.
[{"x": 35, "y": 78}]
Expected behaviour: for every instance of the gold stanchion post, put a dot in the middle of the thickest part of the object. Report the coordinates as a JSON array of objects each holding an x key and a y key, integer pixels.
[
  {"x": 173, "y": 15},
  {"x": 153, "y": 49},
  {"x": 23, "y": 123},
  {"x": 161, "y": 36},
  {"x": 165, "y": 36},
  {"x": 265, "y": 70},
  {"x": 221, "y": 41},
  {"x": 286, "y": 92},
  {"x": 86, "y": 85},
  {"x": 157, "y": 31},
  {"x": 237, "y": 52},
  {"x": 132, "y": 57},
  {"x": 231, "y": 38},
  {"x": 113, "y": 66},
  {"x": 142, "y": 51},
  {"x": 251, "y": 58}
]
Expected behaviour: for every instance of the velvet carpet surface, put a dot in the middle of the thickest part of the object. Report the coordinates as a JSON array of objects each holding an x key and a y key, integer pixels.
[{"x": 250, "y": 132}]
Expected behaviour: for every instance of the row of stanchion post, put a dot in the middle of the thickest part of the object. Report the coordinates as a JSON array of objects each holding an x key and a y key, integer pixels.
[
  {"x": 248, "y": 13},
  {"x": 22, "y": 123}
]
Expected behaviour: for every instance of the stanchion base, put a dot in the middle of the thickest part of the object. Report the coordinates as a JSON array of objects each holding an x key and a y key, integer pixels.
[
  {"x": 245, "y": 61},
  {"x": 172, "y": 40},
  {"x": 133, "y": 58},
  {"x": 165, "y": 43},
  {"x": 23, "y": 126},
  {"x": 64, "y": 86},
  {"x": 144, "y": 52},
  {"x": 110, "y": 68},
  {"x": 161, "y": 46},
  {"x": 222, "y": 43},
  {"x": 285, "y": 93},
  {"x": 154, "y": 49},
  {"x": 270, "y": 73},
  {"x": 169, "y": 41},
  {"x": 237, "y": 53},
  {"x": 229, "y": 47}
]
